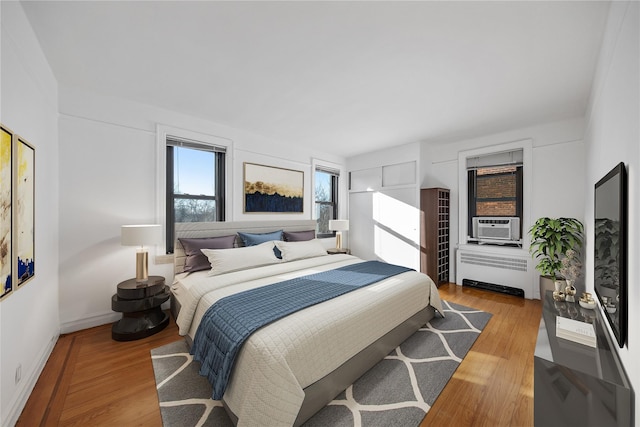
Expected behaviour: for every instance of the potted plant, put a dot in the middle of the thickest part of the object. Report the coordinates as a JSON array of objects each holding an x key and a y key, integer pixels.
[
  {"x": 551, "y": 238},
  {"x": 571, "y": 271}
]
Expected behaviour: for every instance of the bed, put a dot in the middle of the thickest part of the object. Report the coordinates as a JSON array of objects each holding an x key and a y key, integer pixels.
[{"x": 291, "y": 368}]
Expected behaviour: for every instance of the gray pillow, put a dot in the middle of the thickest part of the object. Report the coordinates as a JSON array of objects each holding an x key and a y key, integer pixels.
[
  {"x": 196, "y": 260},
  {"x": 253, "y": 239},
  {"x": 299, "y": 236}
]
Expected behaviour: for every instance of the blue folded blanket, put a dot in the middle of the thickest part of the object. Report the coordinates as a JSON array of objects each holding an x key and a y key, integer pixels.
[{"x": 231, "y": 320}]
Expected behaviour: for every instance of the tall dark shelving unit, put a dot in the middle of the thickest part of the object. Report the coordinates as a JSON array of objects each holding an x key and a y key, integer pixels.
[{"x": 434, "y": 235}]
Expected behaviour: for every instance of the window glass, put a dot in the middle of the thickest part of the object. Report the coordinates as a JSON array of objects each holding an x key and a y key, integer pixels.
[
  {"x": 194, "y": 210},
  {"x": 193, "y": 171},
  {"x": 324, "y": 213},
  {"x": 496, "y": 191},
  {"x": 323, "y": 186}
]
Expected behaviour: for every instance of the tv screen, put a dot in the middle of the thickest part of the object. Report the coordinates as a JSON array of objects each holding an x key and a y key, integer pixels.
[{"x": 610, "y": 249}]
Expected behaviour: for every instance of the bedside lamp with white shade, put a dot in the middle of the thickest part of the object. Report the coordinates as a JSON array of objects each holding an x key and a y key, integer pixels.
[
  {"x": 141, "y": 235},
  {"x": 339, "y": 225}
]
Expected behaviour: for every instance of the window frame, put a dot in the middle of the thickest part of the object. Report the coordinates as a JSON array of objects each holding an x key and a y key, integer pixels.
[
  {"x": 526, "y": 145},
  {"x": 163, "y": 133},
  {"x": 473, "y": 199},
  {"x": 338, "y": 195},
  {"x": 335, "y": 180},
  {"x": 171, "y": 196}
]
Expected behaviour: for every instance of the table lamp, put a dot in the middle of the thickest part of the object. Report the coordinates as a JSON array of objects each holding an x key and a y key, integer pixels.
[
  {"x": 141, "y": 235},
  {"x": 338, "y": 225}
]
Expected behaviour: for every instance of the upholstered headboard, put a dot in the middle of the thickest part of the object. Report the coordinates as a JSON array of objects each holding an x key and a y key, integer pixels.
[{"x": 215, "y": 229}]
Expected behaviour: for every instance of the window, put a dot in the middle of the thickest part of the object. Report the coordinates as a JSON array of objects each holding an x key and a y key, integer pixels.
[
  {"x": 195, "y": 177},
  {"x": 494, "y": 186},
  {"x": 326, "y": 182}
]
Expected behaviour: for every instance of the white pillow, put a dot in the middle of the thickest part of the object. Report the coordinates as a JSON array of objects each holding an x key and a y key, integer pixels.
[
  {"x": 228, "y": 260},
  {"x": 299, "y": 250}
]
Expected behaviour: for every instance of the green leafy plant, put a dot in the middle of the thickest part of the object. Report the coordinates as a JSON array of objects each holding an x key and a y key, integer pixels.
[{"x": 551, "y": 238}]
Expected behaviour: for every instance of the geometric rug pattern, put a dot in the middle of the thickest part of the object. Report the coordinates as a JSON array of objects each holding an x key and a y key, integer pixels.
[{"x": 399, "y": 390}]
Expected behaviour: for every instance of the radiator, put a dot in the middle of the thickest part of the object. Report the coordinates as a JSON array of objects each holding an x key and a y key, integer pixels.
[{"x": 499, "y": 267}]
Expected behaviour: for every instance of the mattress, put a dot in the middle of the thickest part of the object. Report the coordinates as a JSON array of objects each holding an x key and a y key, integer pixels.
[{"x": 280, "y": 360}]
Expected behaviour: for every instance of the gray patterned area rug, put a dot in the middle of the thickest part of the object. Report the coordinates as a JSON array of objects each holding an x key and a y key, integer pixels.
[{"x": 399, "y": 390}]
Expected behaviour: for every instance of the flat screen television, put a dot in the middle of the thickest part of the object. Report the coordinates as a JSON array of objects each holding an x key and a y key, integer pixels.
[{"x": 610, "y": 249}]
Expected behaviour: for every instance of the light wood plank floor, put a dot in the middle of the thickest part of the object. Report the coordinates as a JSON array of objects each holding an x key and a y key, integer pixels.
[{"x": 92, "y": 380}]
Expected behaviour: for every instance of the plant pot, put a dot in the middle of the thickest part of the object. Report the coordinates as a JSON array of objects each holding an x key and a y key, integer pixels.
[{"x": 546, "y": 284}]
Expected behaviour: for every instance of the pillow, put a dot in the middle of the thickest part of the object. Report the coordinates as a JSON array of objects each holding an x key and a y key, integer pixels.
[
  {"x": 196, "y": 260},
  {"x": 299, "y": 236},
  {"x": 299, "y": 250},
  {"x": 228, "y": 260},
  {"x": 252, "y": 239}
]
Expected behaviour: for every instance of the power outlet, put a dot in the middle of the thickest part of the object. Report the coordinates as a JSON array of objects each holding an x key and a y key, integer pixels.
[{"x": 18, "y": 373}]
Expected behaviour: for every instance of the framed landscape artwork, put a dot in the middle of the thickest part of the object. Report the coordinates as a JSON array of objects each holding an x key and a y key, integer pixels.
[
  {"x": 6, "y": 255},
  {"x": 269, "y": 189},
  {"x": 24, "y": 211}
]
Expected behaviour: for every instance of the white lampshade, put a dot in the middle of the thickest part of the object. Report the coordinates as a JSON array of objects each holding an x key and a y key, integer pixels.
[
  {"x": 140, "y": 235},
  {"x": 339, "y": 224}
]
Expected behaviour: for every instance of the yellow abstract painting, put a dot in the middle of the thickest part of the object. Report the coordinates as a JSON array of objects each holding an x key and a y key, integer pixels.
[
  {"x": 5, "y": 211},
  {"x": 24, "y": 211}
]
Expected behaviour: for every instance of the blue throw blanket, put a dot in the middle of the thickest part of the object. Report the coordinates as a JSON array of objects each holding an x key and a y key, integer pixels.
[{"x": 229, "y": 322}]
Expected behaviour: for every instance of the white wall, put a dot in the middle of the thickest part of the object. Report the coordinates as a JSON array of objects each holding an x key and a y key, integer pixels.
[
  {"x": 613, "y": 136},
  {"x": 29, "y": 321},
  {"x": 108, "y": 177},
  {"x": 557, "y": 162}
]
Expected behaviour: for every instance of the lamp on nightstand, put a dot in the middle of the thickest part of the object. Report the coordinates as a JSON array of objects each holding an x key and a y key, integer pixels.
[
  {"x": 141, "y": 235},
  {"x": 339, "y": 225}
]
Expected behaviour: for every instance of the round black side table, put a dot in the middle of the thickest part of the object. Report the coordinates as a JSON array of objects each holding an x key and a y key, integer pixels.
[{"x": 140, "y": 305}]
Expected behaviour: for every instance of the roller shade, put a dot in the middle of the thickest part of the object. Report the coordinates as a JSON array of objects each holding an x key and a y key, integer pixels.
[
  {"x": 506, "y": 158},
  {"x": 187, "y": 143}
]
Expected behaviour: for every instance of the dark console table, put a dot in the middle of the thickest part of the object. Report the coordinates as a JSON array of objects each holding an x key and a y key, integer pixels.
[
  {"x": 140, "y": 305},
  {"x": 575, "y": 384}
]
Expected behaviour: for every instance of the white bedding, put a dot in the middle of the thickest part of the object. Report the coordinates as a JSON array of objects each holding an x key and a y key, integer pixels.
[{"x": 279, "y": 360}]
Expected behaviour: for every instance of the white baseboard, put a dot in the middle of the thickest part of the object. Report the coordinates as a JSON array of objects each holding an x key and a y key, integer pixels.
[
  {"x": 96, "y": 320},
  {"x": 90, "y": 322},
  {"x": 17, "y": 404},
  {"x": 19, "y": 400}
]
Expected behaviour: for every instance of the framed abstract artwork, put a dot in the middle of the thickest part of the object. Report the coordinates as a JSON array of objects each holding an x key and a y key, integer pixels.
[
  {"x": 6, "y": 182},
  {"x": 269, "y": 189},
  {"x": 24, "y": 211}
]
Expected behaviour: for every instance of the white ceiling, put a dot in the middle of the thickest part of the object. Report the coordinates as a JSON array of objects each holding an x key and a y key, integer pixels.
[{"x": 343, "y": 77}]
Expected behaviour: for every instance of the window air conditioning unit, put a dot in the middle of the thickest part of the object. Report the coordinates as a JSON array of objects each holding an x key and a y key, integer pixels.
[{"x": 496, "y": 228}]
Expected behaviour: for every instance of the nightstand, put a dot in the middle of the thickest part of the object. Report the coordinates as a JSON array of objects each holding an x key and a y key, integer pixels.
[
  {"x": 140, "y": 305},
  {"x": 334, "y": 251}
]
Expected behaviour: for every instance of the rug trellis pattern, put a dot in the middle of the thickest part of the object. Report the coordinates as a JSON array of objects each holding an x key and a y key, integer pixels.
[{"x": 399, "y": 390}]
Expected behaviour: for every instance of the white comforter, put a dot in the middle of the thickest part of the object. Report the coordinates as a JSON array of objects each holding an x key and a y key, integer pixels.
[{"x": 279, "y": 360}]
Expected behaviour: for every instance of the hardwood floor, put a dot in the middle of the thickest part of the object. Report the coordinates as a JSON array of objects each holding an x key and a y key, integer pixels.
[
  {"x": 92, "y": 380},
  {"x": 493, "y": 386}
]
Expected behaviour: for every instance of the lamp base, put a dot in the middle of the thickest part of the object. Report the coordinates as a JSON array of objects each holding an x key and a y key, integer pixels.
[
  {"x": 142, "y": 266},
  {"x": 338, "y": 239}
]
